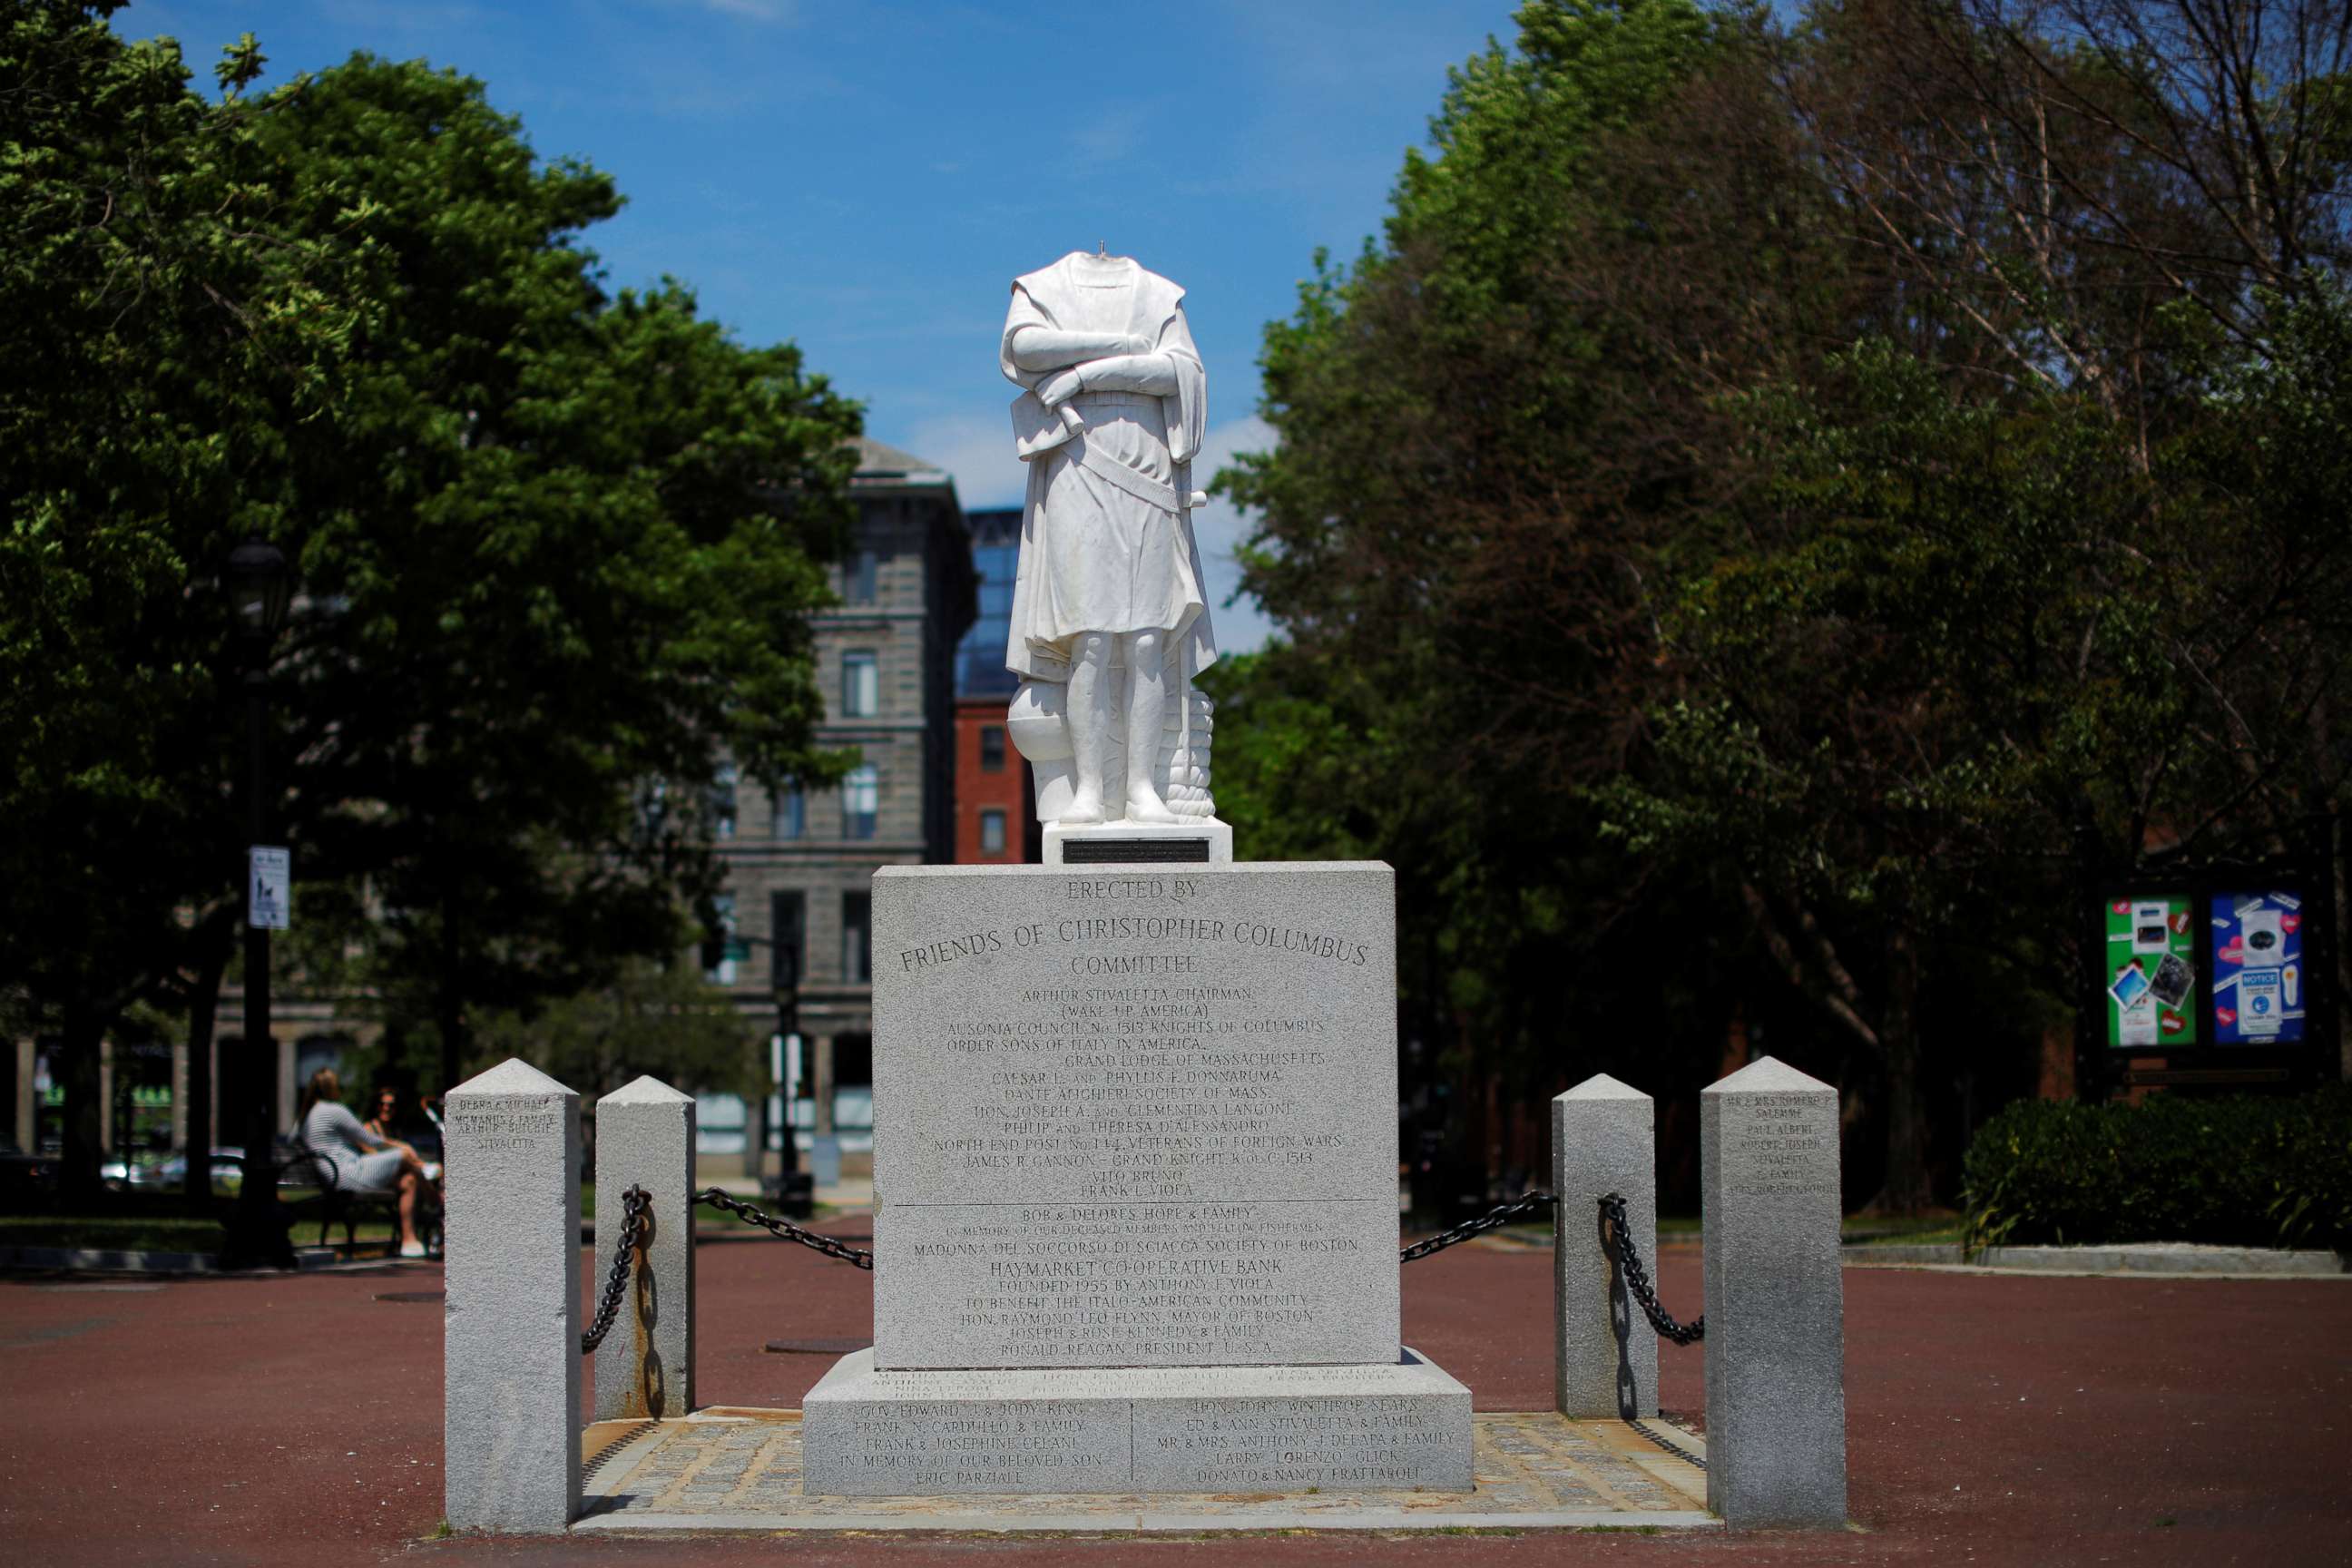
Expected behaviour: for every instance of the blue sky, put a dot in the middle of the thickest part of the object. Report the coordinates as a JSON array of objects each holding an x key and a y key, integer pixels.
[{"x": 866, "y": 178}]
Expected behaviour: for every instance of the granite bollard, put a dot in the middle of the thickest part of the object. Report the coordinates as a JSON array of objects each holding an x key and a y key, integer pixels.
[
  {"x": 645, "y": 1138},
  {"x": 510, "y": 1345},
  {"x": 1775, "y": 1298},
  {"x": 1604, "y": 1140}
]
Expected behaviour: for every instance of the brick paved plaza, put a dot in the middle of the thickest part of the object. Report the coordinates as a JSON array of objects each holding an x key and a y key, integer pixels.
[{"x": 1991, "y": 1419}]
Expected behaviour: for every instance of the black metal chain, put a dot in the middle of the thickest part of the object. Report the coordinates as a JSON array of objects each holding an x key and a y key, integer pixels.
[
  {"x": 1637, "y": 1279},
  {"x": 1499, "y": 1215},
  {"x": 784, "y": 1230},
  {"x": 636, "y": 1225}
]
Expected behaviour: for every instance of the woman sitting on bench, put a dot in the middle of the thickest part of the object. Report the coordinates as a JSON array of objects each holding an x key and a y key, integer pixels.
[{"x": 365, "y": 1162}]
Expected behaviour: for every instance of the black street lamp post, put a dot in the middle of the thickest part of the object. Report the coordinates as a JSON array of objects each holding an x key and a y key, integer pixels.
[
  {"x": 260, "y": 588},
  {"x": 784, "y": 976},
  {"x": 784, "y": 989}
]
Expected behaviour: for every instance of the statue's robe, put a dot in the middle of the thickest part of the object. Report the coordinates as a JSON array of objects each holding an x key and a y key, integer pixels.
[{"x": 1107, "y": 541}]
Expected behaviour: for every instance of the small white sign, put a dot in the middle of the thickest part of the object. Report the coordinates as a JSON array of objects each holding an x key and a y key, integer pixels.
[
  {"x": 269, "y": 887},
  {"x": 2259, "y": 1012}
]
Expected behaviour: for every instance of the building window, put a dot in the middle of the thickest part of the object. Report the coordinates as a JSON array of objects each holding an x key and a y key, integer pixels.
[
  {"x": 853, "y": 1083},
  {"x": 790, "y": 813},
  {"x": 734, "y": 948},
  {"x": 856, "y": 939},
  {"x": 722, "y": 802},
  {"x": 992, "y": 747},
  {"x": 861, "y": 801},
  {"x": 857, "y": 578},
  {"x": 992, "y": 833},
  {"x": 861, "y": 685},
  {"x": 788, "y": 930}
]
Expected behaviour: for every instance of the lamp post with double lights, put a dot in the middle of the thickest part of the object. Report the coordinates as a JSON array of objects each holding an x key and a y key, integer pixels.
[{"x": 260, "y": 588}]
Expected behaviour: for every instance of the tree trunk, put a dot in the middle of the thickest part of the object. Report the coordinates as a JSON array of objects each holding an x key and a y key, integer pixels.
[
  {"x": 79, "y": 1178},
  {"x": 1908, "y": 1189}
]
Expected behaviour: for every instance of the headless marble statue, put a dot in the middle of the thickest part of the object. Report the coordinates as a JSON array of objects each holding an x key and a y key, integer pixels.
[{"x": 1108, "y": 605}]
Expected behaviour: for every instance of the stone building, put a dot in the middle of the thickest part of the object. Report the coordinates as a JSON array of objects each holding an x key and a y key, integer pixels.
[{"x": 800, "y": 864}]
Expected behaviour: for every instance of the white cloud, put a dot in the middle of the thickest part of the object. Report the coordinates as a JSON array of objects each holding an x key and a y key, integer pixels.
[{"x": 976, "y": 450}]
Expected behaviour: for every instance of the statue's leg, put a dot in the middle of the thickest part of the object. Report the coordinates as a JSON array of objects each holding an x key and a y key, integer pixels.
[
  {"x": 1090, "y": 725},
  {"x": 1147, "y": 699}
]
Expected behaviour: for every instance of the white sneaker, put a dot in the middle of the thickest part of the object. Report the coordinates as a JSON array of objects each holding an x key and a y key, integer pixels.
[{"x": 412, "y": 1250}]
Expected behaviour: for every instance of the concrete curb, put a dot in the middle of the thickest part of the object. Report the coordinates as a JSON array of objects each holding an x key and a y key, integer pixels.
[{"x": 2167, "y": 1258}]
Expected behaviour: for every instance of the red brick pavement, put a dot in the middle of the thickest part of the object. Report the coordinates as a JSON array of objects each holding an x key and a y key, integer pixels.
[{"x": 1991, "y": 1419}]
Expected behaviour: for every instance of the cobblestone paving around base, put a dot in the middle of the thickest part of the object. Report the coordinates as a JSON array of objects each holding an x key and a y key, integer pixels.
[{"x": 729, "y": 1469}]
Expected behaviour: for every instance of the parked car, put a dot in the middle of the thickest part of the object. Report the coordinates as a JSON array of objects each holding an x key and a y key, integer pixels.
[{"x": 171, "y": 1173}]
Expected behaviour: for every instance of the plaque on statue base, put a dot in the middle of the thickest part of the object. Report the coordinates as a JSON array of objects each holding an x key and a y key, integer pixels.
[
  {"x": 1203, "y": 842},
  {"x": 1135, "y": 1429}
]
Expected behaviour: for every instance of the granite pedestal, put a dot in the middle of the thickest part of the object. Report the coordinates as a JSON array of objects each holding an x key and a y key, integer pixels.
[{"x": 1135, "y": 1189}]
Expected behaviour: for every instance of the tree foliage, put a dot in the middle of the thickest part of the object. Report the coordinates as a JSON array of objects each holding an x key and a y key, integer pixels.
[
  {"x": 1777, "y": 497},
  {"x": 555, "y": 545}
]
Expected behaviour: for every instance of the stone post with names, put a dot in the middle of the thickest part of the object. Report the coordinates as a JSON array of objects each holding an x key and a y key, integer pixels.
[
  {"x": 1775, "y": 1298},
  {"x": 511, "y": 1344}
]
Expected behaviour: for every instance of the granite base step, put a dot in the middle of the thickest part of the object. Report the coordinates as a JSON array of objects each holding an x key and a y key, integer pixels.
[
  {"x": 1080, "y": 1430},
  {"x": 738, "y": 1469}
]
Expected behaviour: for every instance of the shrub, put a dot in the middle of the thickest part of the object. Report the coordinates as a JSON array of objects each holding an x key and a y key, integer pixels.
[{"x": 2242, "y": 1171}]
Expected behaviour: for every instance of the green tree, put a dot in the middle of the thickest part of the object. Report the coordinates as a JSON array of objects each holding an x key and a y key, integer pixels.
[
  {"x": 650, "y": 1019},
  {"x": 570, "y": 540},
  {"x": 1495, "y": 432},
  {"x": 153, "y": 330},
  {"x": 556, "y": 546}
]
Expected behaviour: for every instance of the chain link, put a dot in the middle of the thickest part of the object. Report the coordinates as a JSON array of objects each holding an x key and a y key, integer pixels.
[
  {"x": 636, "y": 1215},
  {"x": 1499, "y": 1215},
  {"x": 784, "y": 1230},
  {"x": 1637, "y": 1279}
]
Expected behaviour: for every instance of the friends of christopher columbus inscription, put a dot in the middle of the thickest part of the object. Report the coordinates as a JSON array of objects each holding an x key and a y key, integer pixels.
[{"x": 1135, "y": 1119}]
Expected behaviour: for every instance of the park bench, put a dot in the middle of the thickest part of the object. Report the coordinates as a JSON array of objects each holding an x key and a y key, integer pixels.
[{"x": 346, "y": 1206}]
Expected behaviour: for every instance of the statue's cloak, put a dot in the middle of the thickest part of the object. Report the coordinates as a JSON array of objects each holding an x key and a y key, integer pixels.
[{"x": 1119, "y": 470}]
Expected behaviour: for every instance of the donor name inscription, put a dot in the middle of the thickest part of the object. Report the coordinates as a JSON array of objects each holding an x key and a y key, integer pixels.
[{"x": 1135, "y": 1121}]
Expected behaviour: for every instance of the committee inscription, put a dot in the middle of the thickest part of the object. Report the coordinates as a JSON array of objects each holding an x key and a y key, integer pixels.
[{"x": 1135, "y": 1119}]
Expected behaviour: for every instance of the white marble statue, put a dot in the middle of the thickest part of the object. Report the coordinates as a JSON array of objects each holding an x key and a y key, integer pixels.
[{"x": 1110, "y": 621}]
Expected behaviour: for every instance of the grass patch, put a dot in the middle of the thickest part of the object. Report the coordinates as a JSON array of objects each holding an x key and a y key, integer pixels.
[
  {"x": 1947, "y": 1233},
  {"x": 126, "y": 1234}
]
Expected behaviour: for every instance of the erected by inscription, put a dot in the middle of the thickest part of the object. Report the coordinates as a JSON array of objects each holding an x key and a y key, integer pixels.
[{"x": 1135, "y": 1119}]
